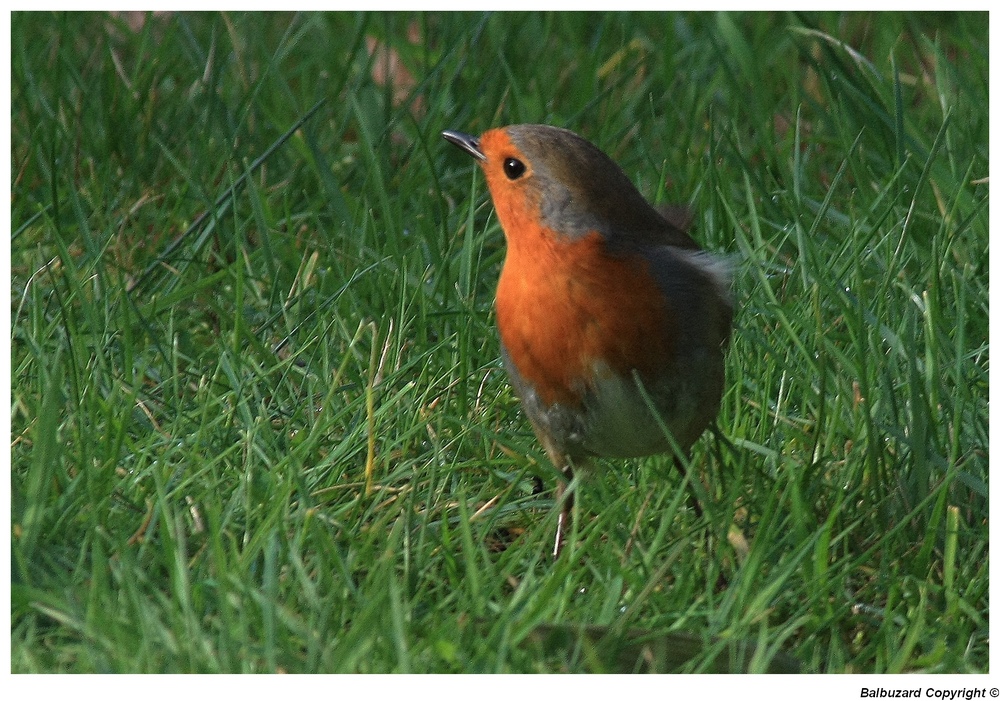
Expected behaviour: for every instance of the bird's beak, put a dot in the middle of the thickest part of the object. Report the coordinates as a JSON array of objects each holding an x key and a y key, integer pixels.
[{"x": 469, "y": 144}]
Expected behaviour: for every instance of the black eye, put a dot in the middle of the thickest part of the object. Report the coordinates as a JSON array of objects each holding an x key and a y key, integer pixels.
[{"x": 513, "y": 168}]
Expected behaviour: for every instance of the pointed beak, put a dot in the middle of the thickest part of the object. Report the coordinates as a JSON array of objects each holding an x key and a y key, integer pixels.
[{"x": 469, "y": 144}]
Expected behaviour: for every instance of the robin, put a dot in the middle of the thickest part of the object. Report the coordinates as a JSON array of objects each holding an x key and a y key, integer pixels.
[{"x": 613, "y": 322}]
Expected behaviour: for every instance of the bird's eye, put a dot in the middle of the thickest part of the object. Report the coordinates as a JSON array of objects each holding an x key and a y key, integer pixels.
[{"x": 513, "y": 168}]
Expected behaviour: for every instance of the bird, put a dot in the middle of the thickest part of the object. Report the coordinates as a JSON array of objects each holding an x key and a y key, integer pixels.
[{"x": 613, "y": 321}]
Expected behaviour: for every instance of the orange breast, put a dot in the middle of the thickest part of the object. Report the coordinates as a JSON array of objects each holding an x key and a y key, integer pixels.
[{"x": 564, "y": 305}]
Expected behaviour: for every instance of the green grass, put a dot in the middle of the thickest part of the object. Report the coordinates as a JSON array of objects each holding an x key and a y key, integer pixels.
[{"x": 258, "y": 418}]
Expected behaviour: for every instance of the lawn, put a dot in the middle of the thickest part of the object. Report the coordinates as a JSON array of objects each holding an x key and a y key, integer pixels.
[{"x": 258, "y": 418}]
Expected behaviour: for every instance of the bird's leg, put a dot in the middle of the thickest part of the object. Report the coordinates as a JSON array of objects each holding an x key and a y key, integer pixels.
[
  {"x": 692, "y": 496},
  {"x": 562, "y": 521},
  {"x": 722, "y": 581},
  {"x": 563, "y": 500}
]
